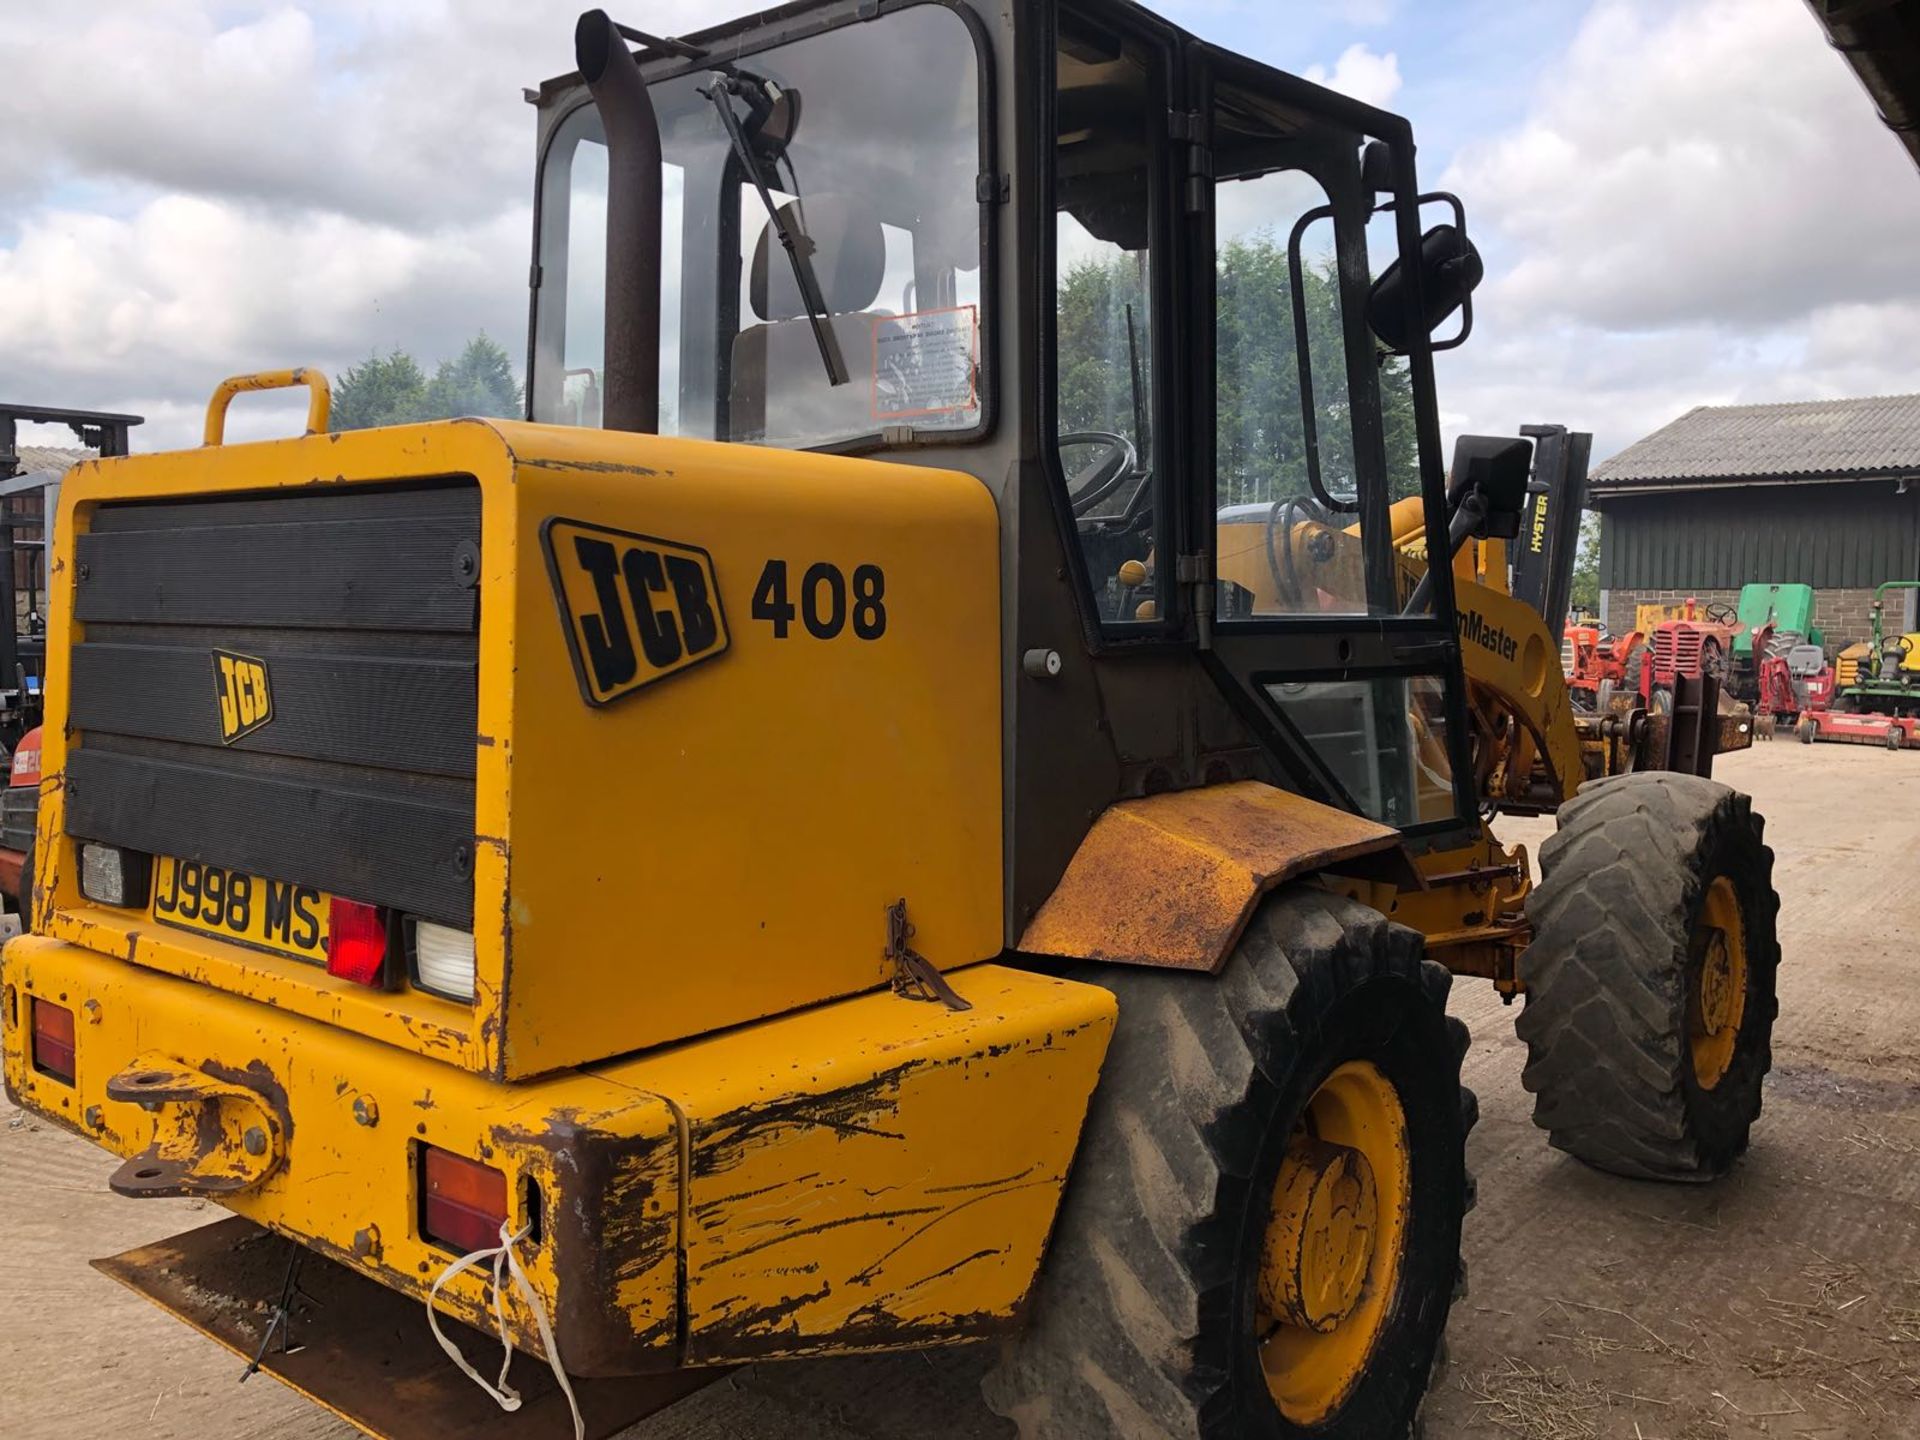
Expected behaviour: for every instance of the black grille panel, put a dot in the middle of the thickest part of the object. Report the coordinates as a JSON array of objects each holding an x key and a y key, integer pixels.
[
  {"x": 19, "y": 809},
  {"x": 380, "y": 560},
  {"x": 363, "y": 608}
]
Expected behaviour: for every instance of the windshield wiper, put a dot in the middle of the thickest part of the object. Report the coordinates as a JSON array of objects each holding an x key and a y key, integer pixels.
[{"x": 724, "y": 87}]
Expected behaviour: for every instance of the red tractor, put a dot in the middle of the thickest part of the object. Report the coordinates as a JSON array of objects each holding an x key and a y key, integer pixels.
[
  {"x": 19, "y": 809},
  {"x": 1597, "y": 664},
  {"x": 1697, "y": 642}
]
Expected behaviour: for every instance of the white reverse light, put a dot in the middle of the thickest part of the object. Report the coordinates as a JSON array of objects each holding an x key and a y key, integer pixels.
[
  {"x": 443, "y": 959},
  {"x": 112, "y": 876}
]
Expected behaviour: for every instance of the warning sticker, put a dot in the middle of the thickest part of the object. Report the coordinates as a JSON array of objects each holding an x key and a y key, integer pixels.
[{"x": 926, "y": 363}]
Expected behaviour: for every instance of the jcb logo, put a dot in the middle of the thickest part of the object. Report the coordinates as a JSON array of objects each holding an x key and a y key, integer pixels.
[
  {"x": 636, "y": 608},
  {"x": 245, "y": 699}
]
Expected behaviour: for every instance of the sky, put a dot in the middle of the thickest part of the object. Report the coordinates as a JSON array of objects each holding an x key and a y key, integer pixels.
[{"x": 1681, "y": 202}]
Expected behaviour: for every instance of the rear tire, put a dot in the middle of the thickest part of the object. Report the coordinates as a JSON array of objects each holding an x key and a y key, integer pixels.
[
  {"x": 1150, "y": 1318},
  {"x": 1646, "y": 1044},
  {"x": 1806, "y": 730}
]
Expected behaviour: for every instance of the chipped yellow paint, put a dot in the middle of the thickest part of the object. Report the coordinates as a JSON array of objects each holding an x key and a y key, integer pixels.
[
  {"x": 319, "y": 400},
  {"x": 343, "y": 1178},
  {"x": 1715, "y": 1012},
  {"x": 1330, "y": 1269},
  {"x": 854, "y": 1182},
  {"x": 617, "y": 843},
  {"x": 842, "y": 1178}
]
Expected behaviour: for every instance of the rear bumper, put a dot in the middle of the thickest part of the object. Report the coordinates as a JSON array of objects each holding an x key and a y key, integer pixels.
[
  {"x": 352, "y": 1114},
  {"x": 868, "y": 1174}
]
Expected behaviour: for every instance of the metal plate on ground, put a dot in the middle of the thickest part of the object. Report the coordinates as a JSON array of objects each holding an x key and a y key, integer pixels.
[{"x": 364, "y": 1351}]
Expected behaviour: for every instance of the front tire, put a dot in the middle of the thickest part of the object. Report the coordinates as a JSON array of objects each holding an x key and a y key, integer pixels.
[
  {"x": 1650, "y": 978},
  {"x": 1222, "y": 1265}
]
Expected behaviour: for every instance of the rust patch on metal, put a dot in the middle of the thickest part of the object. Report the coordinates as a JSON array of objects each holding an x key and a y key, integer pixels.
[
  {"x": 774, "y": 1331},
  {"x": 612, "y": 1214},
  {"x": 588, "y": 467},
  {"x": 868, "y": 1108},
  {"x": 1170, "y": 880}
]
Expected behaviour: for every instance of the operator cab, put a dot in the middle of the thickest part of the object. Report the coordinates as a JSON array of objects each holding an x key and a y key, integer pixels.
[
  {"x": 822, "y": 240},
  {"x": 1175, "y": 309}
]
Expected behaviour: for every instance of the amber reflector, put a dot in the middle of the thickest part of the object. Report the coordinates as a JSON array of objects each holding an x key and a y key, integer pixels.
[
  {"x": 53, "y": 1040},
  {"x": 463, "y": 1203}
]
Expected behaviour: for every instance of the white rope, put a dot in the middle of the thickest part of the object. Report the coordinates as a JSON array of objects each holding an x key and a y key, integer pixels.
[{"x": 505, "y": 1264}]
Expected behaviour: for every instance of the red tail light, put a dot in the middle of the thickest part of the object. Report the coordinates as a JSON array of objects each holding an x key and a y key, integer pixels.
[
  {"x": 357, "y": 942},
  {"x": 463, "y": 1203},
  {"x": 53, "y": 1040}
]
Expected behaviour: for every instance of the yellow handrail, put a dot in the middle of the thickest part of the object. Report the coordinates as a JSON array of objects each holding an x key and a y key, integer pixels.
[{"x": 319, "y": 407}]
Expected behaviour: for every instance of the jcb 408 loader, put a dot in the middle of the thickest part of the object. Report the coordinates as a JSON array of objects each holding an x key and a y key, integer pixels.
[{"x": 933, "y": 791}]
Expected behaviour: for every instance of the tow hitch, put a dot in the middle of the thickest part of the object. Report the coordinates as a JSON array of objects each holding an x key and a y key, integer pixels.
[{"x": 211, "y": 1137}]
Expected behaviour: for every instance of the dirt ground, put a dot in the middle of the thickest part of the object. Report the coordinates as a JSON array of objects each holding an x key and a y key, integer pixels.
[{"x": 1783, "y": 1301}]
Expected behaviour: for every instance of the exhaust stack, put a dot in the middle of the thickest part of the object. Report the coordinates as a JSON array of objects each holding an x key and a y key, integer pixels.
[{"x": 632, "y": 387}]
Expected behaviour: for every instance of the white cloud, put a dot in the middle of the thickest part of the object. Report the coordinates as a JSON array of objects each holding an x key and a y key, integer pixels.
[
  {"x": 191, "y": 188},
  {"x": 188, "y": 289},
  {"x": 1701, "y": 208},
  {"x": 1361, "y": 73},
  {"x": 1698, "y": 206}
]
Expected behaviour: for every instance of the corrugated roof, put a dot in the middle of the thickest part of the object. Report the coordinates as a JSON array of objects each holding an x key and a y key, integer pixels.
[
  {"x": 50, "y": 457},
  {"x": 1876, "y": 435}
]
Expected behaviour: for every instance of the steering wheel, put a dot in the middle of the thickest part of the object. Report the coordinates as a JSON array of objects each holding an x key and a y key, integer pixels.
[
  {"x": 1105, "y": 473},
  {"x": 1721, "y": 613}
]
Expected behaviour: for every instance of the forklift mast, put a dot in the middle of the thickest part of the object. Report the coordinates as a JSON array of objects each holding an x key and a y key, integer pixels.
[
  {"x": 1549, "y": 540},
  {"x": 105, "y": 432}
]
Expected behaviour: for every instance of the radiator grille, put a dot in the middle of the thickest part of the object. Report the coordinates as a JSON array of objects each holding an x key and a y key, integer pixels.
[
  {"x": 1676, "y": 650},
  {"x": 361, "y": 608},
  {"x": 19, "y": 808}
]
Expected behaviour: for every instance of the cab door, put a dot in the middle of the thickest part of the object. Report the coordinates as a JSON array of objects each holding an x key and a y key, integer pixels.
[{"x": 1316, "y": 465}]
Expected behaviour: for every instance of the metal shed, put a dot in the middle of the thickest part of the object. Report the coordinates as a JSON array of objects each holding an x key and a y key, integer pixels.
[{"x": 1823, "y": 493}]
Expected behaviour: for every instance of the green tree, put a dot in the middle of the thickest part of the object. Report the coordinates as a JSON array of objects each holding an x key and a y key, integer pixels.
[
  {"x": 479, "y": 381},
  {"x": 1098, "y": 300},
  {"x": 381, "y": 390},
  {"x": 1586, "y": 565},
  {"x": 392, "y": 389},
  {"x": 1260, "y": 434}
]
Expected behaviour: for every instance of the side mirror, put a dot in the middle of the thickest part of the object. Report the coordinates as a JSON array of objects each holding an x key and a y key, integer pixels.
[
  {"x": 1494, "y": 470},
  {"x": 1450, "y": 271},
  {"x": 1485, "y": 492}
]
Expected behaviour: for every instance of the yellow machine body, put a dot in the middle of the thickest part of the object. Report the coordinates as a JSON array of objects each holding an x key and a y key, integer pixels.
[
  {"x": 664, "y": 862},
  {"x": 860, "y": 1147}
]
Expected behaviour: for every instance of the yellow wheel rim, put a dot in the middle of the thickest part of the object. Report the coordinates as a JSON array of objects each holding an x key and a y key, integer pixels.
[
  {"x": 1720, "y": 1001},
  {"x": 1330, "y": 1260}
]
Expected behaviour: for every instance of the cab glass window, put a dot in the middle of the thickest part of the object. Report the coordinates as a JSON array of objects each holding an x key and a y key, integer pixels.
[
  {"x": 1107, "y": 98},
  {"x": 1383, "y": 741},
  {"x": 862, "y": 147},
  {"x": 1301, "y": 486}
]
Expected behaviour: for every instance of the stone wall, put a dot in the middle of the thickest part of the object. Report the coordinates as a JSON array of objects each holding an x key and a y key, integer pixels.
[{"x": 1842, "y": 615}]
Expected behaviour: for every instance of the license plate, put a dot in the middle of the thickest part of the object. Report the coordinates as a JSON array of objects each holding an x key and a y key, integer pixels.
[{"x": 250, "y": 909}]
